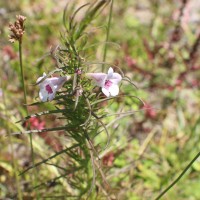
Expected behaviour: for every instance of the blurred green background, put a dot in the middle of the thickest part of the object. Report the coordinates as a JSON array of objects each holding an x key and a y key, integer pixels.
[{"x": 159, "y": 50}]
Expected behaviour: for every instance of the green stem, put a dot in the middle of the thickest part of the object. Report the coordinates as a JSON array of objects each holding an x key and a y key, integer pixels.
[
  {"x": 177, "y": 179},
  {"x": 26, "y": 109},
  {"x": 22, "y": 74},
  {"x": 107, "y": 34}
]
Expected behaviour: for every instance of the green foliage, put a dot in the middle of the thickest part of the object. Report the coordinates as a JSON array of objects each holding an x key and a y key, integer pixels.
[{"x": 149, "y": 151}]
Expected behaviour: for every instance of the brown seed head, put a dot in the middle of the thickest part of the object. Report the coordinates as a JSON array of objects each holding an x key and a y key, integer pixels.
[{"x": 17, "y": 29}]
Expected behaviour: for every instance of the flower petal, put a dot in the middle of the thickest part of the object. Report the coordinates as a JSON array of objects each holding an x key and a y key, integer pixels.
[
  {"x": 40, "y": 78},
  {"x": 43, "y": 95},
  {"x": 51, "y": 96},
  {"x": 99, "y": 78},
  {"x": 116, "y": 78},
  {"x": 43, "y": 84},
  {"x": 49, "y": 86},
  {"x": 110, "y": 72},
  {"x": 105, "y": 91},
  {"x": 114, "y": 90},
  {"x": 58, "y": 82}
]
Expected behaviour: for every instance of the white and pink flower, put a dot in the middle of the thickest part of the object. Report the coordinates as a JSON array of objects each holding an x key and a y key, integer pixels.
[
  {"x": 108, "y": 82},
  {"x": 49, "y": 86}
]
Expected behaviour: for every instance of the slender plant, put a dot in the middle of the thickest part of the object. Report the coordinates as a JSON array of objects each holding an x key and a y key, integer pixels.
[
  {"x": 17, "y": 31},
  {"x": 79, "y": 105},
  {"x": 178, "y": 178}
]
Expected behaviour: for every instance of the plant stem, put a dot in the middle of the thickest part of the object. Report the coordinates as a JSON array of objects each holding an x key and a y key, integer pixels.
[
  {"x": 26, "y": 109},
  {"x": 178, "y": 178},
  {"x": 107, "y": 34},
  {"x": 22, "y": 75}
]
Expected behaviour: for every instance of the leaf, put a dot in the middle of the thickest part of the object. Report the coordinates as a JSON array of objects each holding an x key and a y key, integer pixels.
[{"x": 42, "y": 113}]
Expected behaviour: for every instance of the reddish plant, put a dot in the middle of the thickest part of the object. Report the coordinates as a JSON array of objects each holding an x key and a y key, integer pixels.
[
  {"x": 149, "y": 111},
  {"x": 36, "y": 123},
  {"x": 108, "y": 159}
]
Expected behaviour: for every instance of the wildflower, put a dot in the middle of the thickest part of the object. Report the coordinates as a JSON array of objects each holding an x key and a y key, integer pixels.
[
  {"x": 108, "y": 82},
  {"x": 50, "y": 86}
]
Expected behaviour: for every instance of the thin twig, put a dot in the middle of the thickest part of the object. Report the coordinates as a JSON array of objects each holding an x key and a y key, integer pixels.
[{"x": 178, "y": 178}]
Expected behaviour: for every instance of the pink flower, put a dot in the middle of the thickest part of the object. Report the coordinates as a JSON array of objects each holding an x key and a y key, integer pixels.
[
  {"x": 50, "y": 86},
  {"x": 108, "y": 82}
]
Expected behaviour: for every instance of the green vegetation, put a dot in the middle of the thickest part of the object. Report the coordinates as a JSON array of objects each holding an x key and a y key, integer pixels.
[{"x": 132, "y": 146}]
